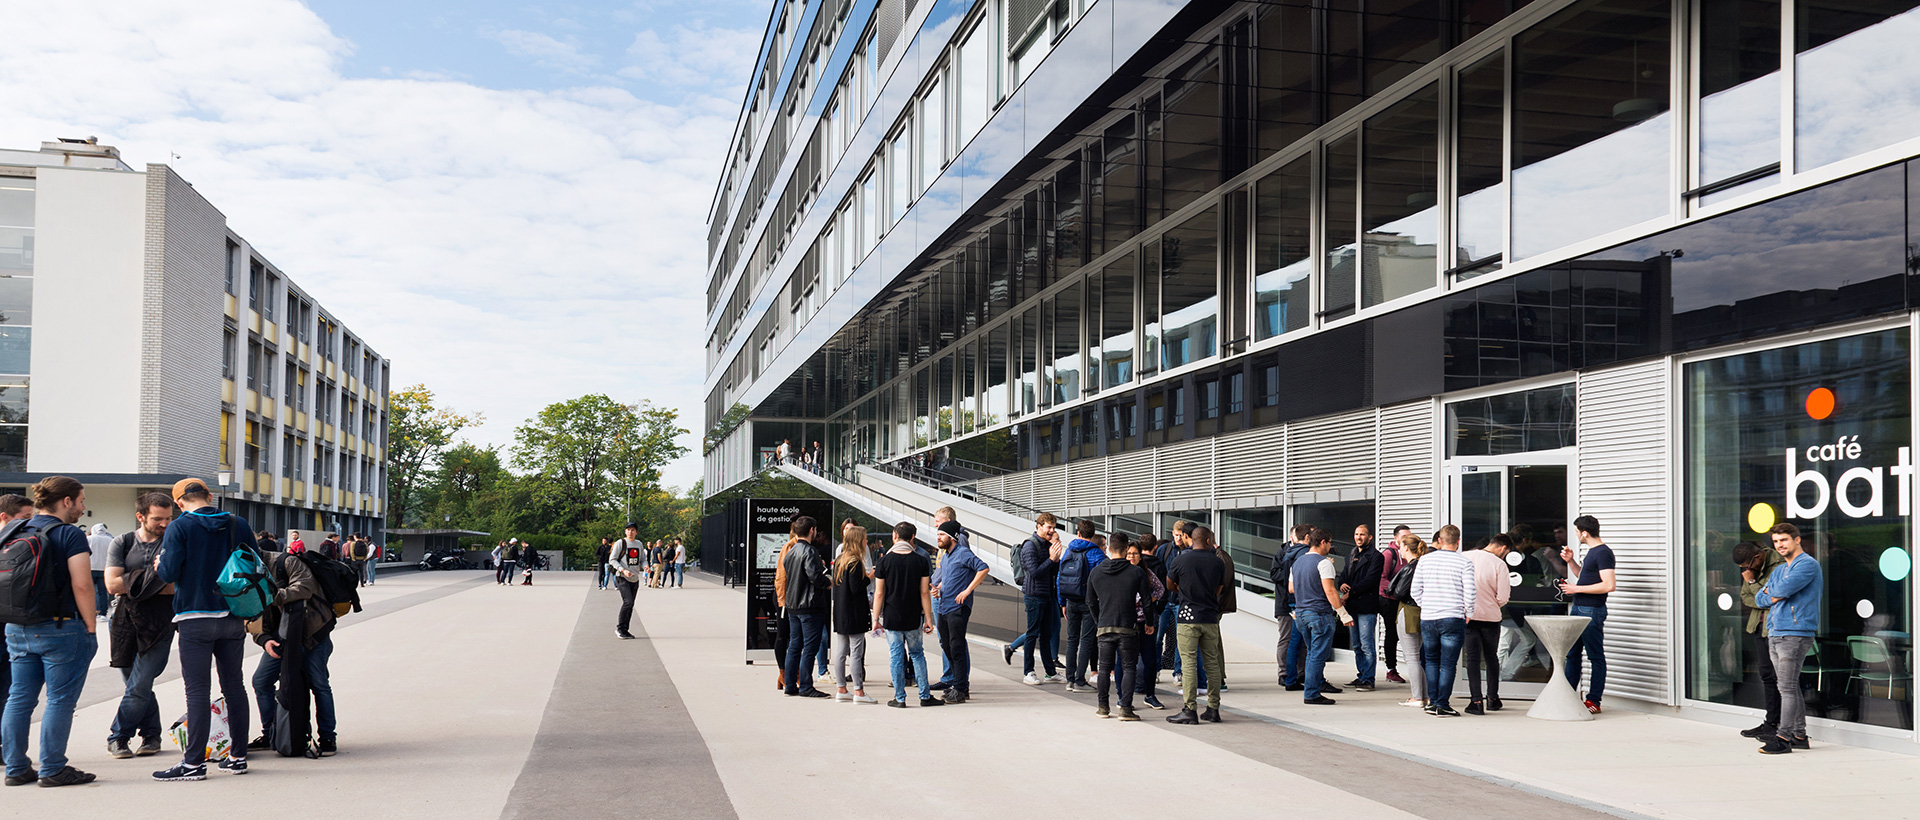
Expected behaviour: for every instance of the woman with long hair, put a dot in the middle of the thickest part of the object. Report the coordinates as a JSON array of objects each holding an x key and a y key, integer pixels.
[
  {"x": 852, "y": 614},
  {"x": 1408, "y": 624},
  {"x": 780, "y": 636}
]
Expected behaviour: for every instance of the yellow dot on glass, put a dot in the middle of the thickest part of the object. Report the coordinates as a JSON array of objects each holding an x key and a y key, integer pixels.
[{"x": 1760, "y": 517}]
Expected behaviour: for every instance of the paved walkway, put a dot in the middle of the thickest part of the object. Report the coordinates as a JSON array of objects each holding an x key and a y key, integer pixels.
[{"x": 462, "y": 699}]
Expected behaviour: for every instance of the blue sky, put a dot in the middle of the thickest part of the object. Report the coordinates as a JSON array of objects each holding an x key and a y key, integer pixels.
[{"x": 506, "y": 199}]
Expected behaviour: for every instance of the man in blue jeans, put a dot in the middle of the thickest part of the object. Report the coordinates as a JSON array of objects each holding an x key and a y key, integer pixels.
[
  {"x": 195, "y": 548},
  {"x": 1444, "y": 590},
  {"x": 1590, "y": 599},
  {"x": 54, "y": 652},
  {"x": 1039, "y": 559},
  {"x": 1360, "y": 585},
  {"x": 1316, "y": 603},
  {"x": 806, "y": 571},
  {"x": 141, "y": 627},
  {"x": 903, "y": 606},
  {"x": 298, "y": 589}
]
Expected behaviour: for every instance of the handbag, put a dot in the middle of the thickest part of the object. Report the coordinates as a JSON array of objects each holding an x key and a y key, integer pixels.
[{"x": 1402, "y": 587}]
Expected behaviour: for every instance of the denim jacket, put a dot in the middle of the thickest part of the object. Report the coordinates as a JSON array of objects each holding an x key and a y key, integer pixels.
[{"x": 1792, "y": 598}]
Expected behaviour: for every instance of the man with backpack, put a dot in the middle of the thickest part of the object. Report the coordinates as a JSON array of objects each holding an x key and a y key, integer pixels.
[
  {"x": 46, "y": 600},
  {"x": 196, "y": 549},
  {"x": 1292, "y": 644},
  {"x": 141, "y": 626},
  {"x": 297, "y": 630},
  {"x": 1037, "y": 567},
  {"x": 1076, "y": 566}
]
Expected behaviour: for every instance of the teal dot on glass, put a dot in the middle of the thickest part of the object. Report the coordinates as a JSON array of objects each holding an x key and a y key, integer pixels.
[{"x": 1895, "y": 563}]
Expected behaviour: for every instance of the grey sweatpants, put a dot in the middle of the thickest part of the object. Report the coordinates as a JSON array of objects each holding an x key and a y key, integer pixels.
[{"x": 850, "y": 645}]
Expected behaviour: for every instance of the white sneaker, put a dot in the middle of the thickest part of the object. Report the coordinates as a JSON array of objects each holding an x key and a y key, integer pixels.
[
  {"x": 1413, "y": 702},
  {"x": 842, "y": 697},
  {"x": 1053, "y": 679},
  {"x": 1032, "y": 679},
  {"x": 863, "y": 699}
]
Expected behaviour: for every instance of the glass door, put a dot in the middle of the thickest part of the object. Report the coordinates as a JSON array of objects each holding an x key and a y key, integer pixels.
[{"x": 1527, "y": 497}]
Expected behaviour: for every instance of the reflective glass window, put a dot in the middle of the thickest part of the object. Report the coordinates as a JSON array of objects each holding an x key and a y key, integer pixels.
[
  {"x": 1739, "y": 88},
  {"x": 1190, "y": 137},
  {"x": 1340, "y": 180},
  {"x": 1120, "y": 183},
  {"x": 1400, "y": 217},
  {"x": 933, "y": 135},
  {"x": 975, "y": 84},
  {"x": 15, "y": 349},
  {"x": 943, "y": 375},
  {"x": 969, "y": 388},
  {"x": 1286, "y": 96},
  {"x": 16, "y": 300},
  {"x": 13, "y": 404},
  {"x": 1065, "y": 330},
  {"x": 1759, "y": 447},
  {"x": 899, "y": 174},
  {"x": 1857, "y": 77},
  {"x": 1524, "y": 422},
  {"x": 922, "y": 408},
  {"x": 16, "y": 202},
  {"x": 1027, "y": 344},
  {"x": 1116, "y": 322},
  {"x": 1283, "y": 250},
  {"x": 1480, "y": 165},
  {"x": 1189, "y": 295},
  {"x": 869, "y": 211},
  {"x": 1591, "y": 142}
]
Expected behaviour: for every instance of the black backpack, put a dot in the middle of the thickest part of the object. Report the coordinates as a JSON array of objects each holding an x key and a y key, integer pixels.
[
  {"x": 1401, "y": 587},
  {"x": 30, "y": 576},
  {"x": 1073, "y": 573},
  {"x": 339, "y": 584}
]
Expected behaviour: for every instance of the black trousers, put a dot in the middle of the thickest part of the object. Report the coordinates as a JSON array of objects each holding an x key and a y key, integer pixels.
[
  {"x": 210, "y": 648},
  {"x": 953, "y": 643},
  {"x": 1391, "y": 654},
  {"x": 1124, "y": 650},
  {"x": 1482, "y": 647},
  {"x": 627, "y": 590},
  {"x": 1769, "y": 682}
]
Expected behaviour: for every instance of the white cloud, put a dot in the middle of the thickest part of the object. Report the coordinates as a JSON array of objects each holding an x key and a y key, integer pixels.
[
  {"x": 544, "y": 50},
  {"x": 508, "y": 248},
  {"x": 697, "y": 56}
]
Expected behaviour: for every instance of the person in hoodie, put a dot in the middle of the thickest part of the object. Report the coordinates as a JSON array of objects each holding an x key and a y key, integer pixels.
[
  {"x": 192, "y": 552},
  {"x": 1119, "y": 593},
  {"x": 1142, "y": 552},
  {"x": 1792, "y": 599},
  {"x": 1082, "y": 556},
  {"x": 1291, "y": 648},
  {"x": 1039, "y": 558}
]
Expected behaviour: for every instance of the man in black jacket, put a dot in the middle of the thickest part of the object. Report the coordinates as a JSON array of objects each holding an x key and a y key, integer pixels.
[
  {"x": 1289, "y": 649},
  {"x": 141, "y": 626},
  {"x": 1039, "y": 558},
  {"x": 1118, "y": 593},
  {"x": 806, "y": 571},
  {"x": 1360, "y": 582}
]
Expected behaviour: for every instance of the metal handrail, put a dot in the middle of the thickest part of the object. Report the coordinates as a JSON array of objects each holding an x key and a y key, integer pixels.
[
  {"x": 969, "y": 493},
  {"x": 980, "y": 466}
]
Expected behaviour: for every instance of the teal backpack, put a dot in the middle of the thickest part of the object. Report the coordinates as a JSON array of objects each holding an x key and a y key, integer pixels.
[{"x": 243, "y": 581}]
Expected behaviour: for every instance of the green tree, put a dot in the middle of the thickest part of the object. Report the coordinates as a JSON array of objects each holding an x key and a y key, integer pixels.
[
  {"x": 593, "y": 455},
  {"x": 417, "y": 433}
]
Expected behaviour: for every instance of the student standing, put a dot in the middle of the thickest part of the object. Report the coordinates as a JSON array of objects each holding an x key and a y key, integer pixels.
[
  {"x": 1119, "y": 593},
  {"x": 1491, "y": 591},
  {"x": 54, "y": 648},
  {"x": 806, "y": 605},
  {"x": 98, "y": 540},
  {"x": 904, "y": 608},
  {"x": 1792, "y": 598},
  {"x": 1141, "y": 553},
  {"x": 296, "y": 591},
  {"x": 623, "y": 564},
  {"x": 604, "y": 572},
  {"x": 1316, "y": 605},
  {"x": 1443, "y": 587},
  {"x": 852, "y": 615},
  {"x": 1039, "y": 558},
  {"x": 1287, "y": 650},
  {"x": 1360, "y": 586},
  {"x": 141, "y": 626},
  {"x": 1590, "y": 599},
  {"x": 679, "y": 564},
  {"x": 1407, "y": 622},
  {"x": 1196, "y": 579},
  {"x": 195, "y": 548},
  {"x": 1076, "y": 565},
  {"x": 1391, "y": 562},
  {"x": 961, "y": 572}
]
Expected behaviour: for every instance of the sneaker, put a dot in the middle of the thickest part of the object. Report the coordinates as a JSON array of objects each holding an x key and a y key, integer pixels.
[
  {"x": 1186, "y": 717},
  {"x": 813, "y": 693},
  {"x": 1077, "y": 687},
  {"x": 23, "y": 779},
  {"x": 1430, "y": 708},
  {"x": 1032, "y": 679},
  {"x": 1296, "y": 687},
  {"x": 1776, "y": 745},
  {"x": 1319, "y": 700},
  {"x": 1593, "y": 707},
  {"x": 1764, "y": 730},
  {"x": 1102, "y": 713},
  {"x": 1446, "y": 711},
  {"x": 1153, "y": 701},
  {"x": 1053, "y": 679},
  {"x": 1494, "y": 704},
  {"x": 1356, "y": 682},
  {"x": 329, "y": 748},
  {"x": 865, "y": 699},
  {"x": 182, "y": 772},
  {"x": 1006, "y": 651},
  {"x": 1800, "y": 742},
  {"x": 1414, "y": 702},
  {"x": 932, "y": 702},
  {"x": 941, "y": 686},
  {"x": 841, "y": 697},
  {"x": 1364, "y": 687},
  {"x": 1395, "y": 677},
  {"x": 1211, "y": 714},
  {"x": 896, "y": 704},
  {"x": 68, "y": 776},
  {"x": 1127, "y": 715},
  {"x": 118, "y": 750},
  {"x": 1476, "y": 708},
  {"x": 1327, "y": 688},
  {"x": 955, "y": 696},
  {"x": 260, "y": 742},
  {"x": 234, "y": 765},
  {"x": 625, "y": 636}
]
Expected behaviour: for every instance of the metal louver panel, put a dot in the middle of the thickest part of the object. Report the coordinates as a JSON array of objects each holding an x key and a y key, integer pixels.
[
  {"x": 1251, "y": 463},
  {"x": 1409, "y": 460},
  {"x": 1130, "y": 477},
  {"x": 1330, "y": 453},
  {"x": 1022, "y": 16},
  {"x": 887, "y": 21},
  {"x": 995, "y": 486},
  {"x": 1018, "y": 488},
  {"x": 1185, "y": 471},
  {"x": 1086, "y": 483},
  {"x": 1623, "y": 482},
  {"x": 1050, "y": 489}
]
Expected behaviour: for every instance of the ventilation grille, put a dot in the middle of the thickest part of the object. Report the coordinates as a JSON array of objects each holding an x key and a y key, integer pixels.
[
  {"x": 1408, "y": 468},
  {"x": 1624, "y": 484}
]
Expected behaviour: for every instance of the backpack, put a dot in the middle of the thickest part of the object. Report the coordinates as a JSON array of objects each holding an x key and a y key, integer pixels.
[
  {"x": 1073, "y": 574},
  {"x": 1020, "y": 562},
  {"x": 338, "y": 583},
  {"x": 243, "y": 579},
  {"x": 359, "y": 551},
  {"x": 1282, "y": 570},
  {"x": 1401, "y": 589},
  {"x": 29, "y": 590}
]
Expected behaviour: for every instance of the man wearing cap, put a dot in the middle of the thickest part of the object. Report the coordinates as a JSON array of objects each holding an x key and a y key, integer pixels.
[
  {"x": 192, "y": 552},
  {"x": 624, "y": 562},
  {"x": 961, "y": 572}
]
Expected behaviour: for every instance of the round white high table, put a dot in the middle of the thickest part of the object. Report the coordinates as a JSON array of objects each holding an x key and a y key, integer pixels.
[{"x": 1558, "y": 700}]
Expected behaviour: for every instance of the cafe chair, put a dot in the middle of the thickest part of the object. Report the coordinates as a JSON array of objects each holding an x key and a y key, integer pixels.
[{"x": 1876, "y": 665}]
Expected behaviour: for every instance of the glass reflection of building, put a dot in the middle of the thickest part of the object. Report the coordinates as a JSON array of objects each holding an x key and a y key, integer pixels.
[{"x": 1393, "y": 260}]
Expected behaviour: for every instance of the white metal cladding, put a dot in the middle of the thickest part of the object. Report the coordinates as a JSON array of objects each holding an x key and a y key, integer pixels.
[
  {"x": 1330, "y": 453},
  {"x": 1252, "y": 462},
  {"x": 1049, "y": 491},
  {"x": 1086, "y": 483},
  {"x": 1184, "y": 471},
  {"x": 1408, "y": 461},
  {"x": 1623, "y": 481},
  {"x": 1016, "y": 489},
  {"x": 1129, "y": 477}
]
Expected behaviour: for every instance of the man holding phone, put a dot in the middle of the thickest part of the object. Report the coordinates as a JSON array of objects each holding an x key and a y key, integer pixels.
[{"x": 903, "y": 608}]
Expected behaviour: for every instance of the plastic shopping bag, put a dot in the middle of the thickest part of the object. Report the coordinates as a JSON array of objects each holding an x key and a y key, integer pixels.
[{"x": 219, "y": 741}]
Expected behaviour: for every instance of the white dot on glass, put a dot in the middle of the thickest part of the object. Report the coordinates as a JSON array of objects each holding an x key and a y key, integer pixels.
[
  {"x": 1865, "y": 608},
  {"x": 1513, "y": 579},
  {"x": 1725, "y": 601},
  {"x": 1514, "y": 558}
]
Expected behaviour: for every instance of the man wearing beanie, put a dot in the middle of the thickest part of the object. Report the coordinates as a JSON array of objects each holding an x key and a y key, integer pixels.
[{"x": 961, "y": 572}]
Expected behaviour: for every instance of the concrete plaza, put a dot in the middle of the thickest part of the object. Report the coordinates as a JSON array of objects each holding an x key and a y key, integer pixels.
[{"x": 462, "y": 699}]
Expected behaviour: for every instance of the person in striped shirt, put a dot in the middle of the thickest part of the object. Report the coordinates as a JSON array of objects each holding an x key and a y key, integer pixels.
[{"x": 1443, "y": 587}]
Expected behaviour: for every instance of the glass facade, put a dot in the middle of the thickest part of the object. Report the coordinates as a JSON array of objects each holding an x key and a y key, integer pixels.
[
  {"x": 16, "y": 317},
  {"x": 1818, "y": 435}
]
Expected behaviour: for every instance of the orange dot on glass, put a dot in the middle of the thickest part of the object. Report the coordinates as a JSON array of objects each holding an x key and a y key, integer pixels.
[{"x": 1820, "y": 403}]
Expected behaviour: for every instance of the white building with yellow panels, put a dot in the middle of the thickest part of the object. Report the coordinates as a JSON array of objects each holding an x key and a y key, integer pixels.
[{"x": 142, "y": 341}]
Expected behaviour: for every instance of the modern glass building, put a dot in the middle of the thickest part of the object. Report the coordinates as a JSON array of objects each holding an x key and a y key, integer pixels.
[{"x": 1390, "y": 262}]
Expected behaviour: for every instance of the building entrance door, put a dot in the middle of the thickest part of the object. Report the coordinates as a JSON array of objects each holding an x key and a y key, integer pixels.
[{"x": 1528, "y": 497}]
